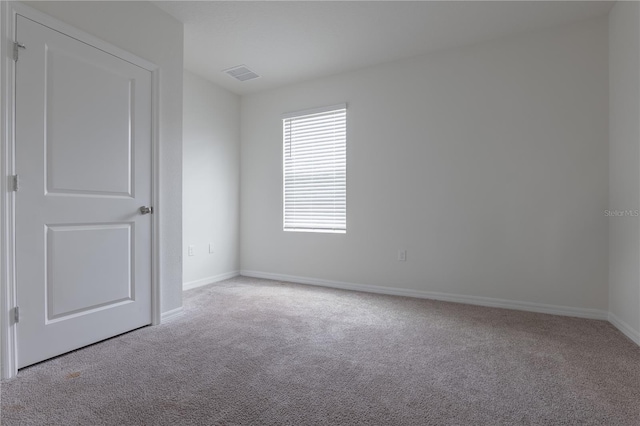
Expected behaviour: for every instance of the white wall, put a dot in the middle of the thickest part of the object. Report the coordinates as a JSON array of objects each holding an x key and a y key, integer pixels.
[
  {"x": 146, "y": 31},
  {"x": 488, "y": 164},
  {"x": 624, "y": 166},
  {"x": 211, "y": 181}
]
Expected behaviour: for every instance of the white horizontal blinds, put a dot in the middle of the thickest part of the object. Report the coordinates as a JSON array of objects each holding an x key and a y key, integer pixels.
[{"x": 315, "y": 171}]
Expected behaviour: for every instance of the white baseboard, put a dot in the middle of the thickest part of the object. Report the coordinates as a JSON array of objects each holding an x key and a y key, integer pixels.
[
  {"x": 209, "y": 280},
  {"x": 169, "y": 315},
  {"x": 625, "y": 328},
  {"x": 447, "y": 297}
]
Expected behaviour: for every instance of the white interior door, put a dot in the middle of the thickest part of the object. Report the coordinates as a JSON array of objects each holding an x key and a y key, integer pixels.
[{"x": 83, "y": 156}]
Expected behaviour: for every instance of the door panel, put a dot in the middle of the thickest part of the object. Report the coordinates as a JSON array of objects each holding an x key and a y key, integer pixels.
[
  {"x": 106, "y": 253},
  {"x": 74, "y": 118},
  {"x": 83, "y": 154}
]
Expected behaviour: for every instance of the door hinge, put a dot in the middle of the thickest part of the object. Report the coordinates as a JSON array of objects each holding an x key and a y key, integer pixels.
[
  {"x": 15, "y": 183},
  {"x": 16, "y": 48},
  {"x": 16, "y": 315}
]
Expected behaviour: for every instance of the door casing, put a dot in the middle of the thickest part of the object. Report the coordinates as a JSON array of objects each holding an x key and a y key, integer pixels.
[{"x": 8, "y": 282}]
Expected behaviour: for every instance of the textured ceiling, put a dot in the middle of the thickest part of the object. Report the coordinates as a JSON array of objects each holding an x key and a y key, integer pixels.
[{"x": 287, "y": 42}]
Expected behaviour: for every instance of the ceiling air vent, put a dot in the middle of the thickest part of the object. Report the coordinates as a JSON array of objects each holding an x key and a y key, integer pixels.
[{"x": 242, "y": 73}]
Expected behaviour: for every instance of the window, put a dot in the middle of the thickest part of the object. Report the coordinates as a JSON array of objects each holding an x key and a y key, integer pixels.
[{"x": 315, "y": 170}]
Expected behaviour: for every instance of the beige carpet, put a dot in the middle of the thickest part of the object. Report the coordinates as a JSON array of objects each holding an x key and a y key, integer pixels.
[{"x": 257, "y": 352}]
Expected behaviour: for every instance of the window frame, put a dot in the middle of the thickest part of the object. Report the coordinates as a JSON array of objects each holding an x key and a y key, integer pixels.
[{"x": 286, "y": 145}]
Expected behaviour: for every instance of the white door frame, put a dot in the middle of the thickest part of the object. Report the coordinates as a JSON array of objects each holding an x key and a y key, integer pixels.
[{"x": 8, "y": 282}]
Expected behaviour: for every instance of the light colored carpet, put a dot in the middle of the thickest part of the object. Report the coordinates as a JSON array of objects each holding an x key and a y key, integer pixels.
[{"x": 258, "y": 352}]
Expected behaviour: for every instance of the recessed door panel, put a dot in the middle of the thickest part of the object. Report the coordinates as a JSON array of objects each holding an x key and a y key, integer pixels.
[
  {"x": 89, "y": 140},
  {"x": 89, "y": 267}
]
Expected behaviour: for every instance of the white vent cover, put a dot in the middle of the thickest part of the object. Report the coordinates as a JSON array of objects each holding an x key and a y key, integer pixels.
[{"x": 242, "y": 73}]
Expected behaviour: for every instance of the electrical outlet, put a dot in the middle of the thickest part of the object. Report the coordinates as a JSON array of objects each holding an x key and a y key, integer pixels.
[
  {"x": 191, "y": 251},
  {"x": 402, "y": 255},
  {"x": 210, "y": 248}
]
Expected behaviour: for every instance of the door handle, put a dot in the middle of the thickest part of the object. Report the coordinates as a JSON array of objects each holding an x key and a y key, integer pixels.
[{"x": 146, "y": 210}]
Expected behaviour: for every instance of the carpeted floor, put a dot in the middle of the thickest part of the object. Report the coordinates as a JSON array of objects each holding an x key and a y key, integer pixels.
[{"x": 257, "y": 352}]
